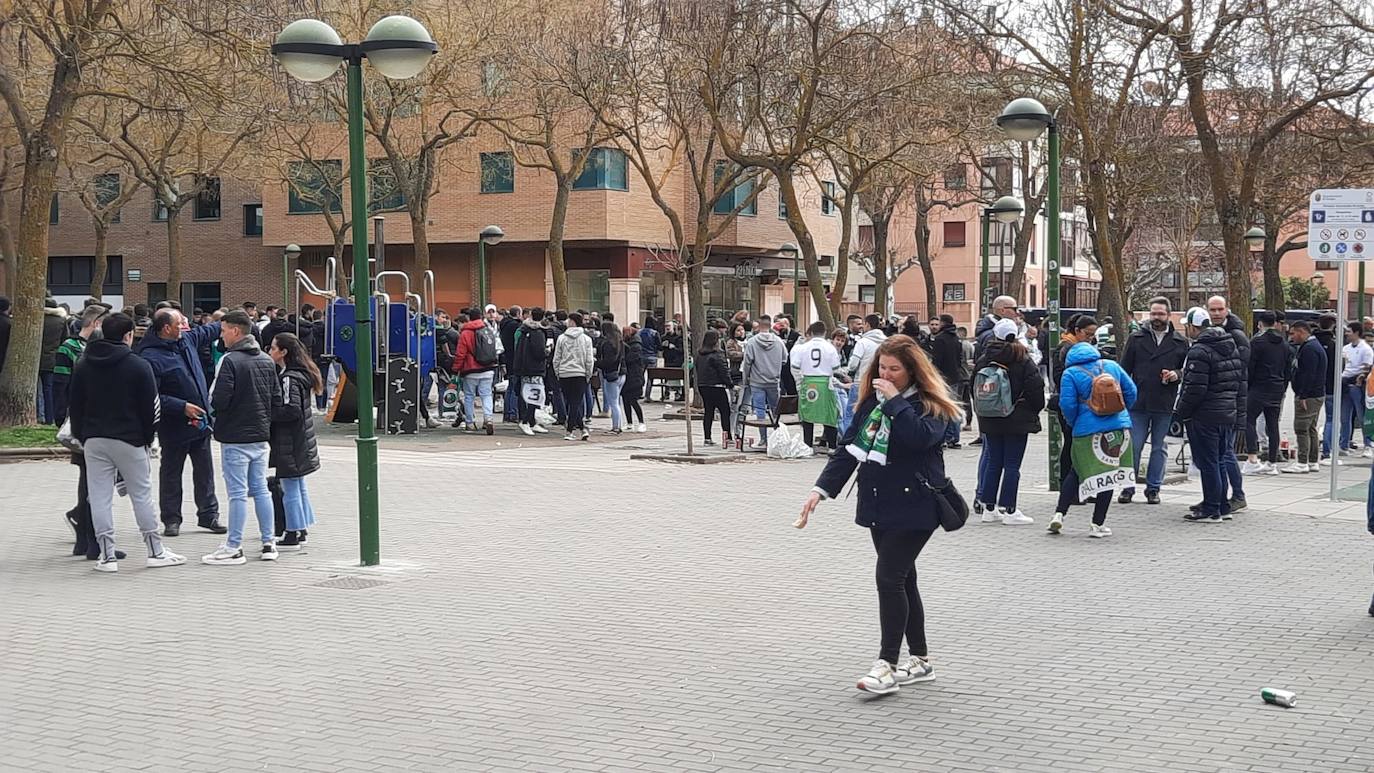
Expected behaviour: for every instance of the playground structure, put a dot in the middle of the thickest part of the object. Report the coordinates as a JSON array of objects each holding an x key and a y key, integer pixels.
[{"x": 402, "y": 354}]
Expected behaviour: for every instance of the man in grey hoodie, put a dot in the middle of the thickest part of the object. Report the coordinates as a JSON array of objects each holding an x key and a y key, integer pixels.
[
  {"x": 764, "y": 355},
  {"x": 573, "y": 362}
]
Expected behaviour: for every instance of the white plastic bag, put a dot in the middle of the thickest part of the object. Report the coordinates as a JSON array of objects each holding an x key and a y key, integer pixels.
[
  {"x": 543, "y": 417},
  {"x": 785, "y": 443},
  {"x": 65, "y": 437}
]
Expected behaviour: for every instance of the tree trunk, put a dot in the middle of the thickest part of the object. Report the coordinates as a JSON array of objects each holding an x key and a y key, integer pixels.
[
  {"x": 1238, "y": 283},
  {"x": 842, "y": 258},
  {"x": 1109, "y": 300},
  {"x": 341, "y": 266},
  {"x": 1273, "y": 282},
  {"x": 419, "y": 230},
  {"x": 882, "y": 265},
  {"x": 102, "y": 263},
  {"x": 554, "y": 251},
  {"x": 1016, "y": 281},
  {"x": 696, "y": 298},
  {"x": 174, "y": 254},
  {"x": 814, "y": 280},
  {"x": 923, "y": 259}
]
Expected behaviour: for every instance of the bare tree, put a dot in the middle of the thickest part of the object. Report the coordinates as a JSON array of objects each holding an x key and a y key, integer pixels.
[{"x": 103, "y": 191}]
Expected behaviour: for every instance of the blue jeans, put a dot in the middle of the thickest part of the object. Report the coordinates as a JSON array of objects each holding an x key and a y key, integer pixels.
[
  {"x": 511, "y": 404},
  {"x": 952, "y": 431},
  {"x": 245, "y": 476},
  {"x": 1000, "y": 469},
  {"x": 1352, "y": 412},
  {"x": 982, "y": 475},
  {"x": 477, "y": 385},
  {"x": 1155, "y": 426},
  {"x": 296, "y": 501},
  {"x": 1209, "y": 443},
  {"x": 1230, "y": 467},
  {"x": 46, "y": 408},
  {"x": 610, "y": 394},
  {"x": 846, "y": 409},
  {"x": 763, "y": 399},
  {"x": 1326, "y": 433}
]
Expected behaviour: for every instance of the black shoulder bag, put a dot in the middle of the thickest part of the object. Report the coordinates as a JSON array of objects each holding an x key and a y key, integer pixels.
[{"x": 953, "y": 509}]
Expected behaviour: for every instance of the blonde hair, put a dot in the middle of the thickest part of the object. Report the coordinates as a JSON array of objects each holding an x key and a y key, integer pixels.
[{"x": 930, "y": 385}]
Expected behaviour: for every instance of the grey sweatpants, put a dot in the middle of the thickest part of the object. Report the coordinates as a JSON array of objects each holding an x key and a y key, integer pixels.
[{"x": 106, "y": 458}]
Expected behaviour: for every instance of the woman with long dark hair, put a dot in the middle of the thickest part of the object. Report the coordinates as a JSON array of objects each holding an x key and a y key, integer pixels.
[
  {"x": 293, "y": 450},
  {"x": 895, "y": 444},
  {"x": 713, "y": 378},
  {"x": 610, "y": 363}
]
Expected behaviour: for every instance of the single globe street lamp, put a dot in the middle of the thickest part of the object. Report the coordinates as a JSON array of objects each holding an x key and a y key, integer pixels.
[
  {"x": 1024, "y": 120},
  {"x": 791, "y": 248},
  {"x": 1254, "y": 238},
  {"x": 398, "y": 47},
  {"x": 291, "y": 251},
  {"x": 491, "y": 235}
]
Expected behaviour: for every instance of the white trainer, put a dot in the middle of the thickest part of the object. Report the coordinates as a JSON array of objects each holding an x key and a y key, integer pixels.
[
  {"x": 1056, "y": 523},
  {"x": 1314, "y": 467},
  {"x": 168, "y": 558},
  {"x": 1296, "y": 468},
  {"x": 110, "y": 566},
  {"x": 880, "y": 680},
  {"x": 1270, "y": 469},
  {"x": 223, "y": 556},
  {"x": 540, "y": 429},
  {"x": 914, "y": 669},
  {"x": 1368, "y": 453},
  {"x": 1099, "y": 532},
  {"x": 642, "y": 427},
  {"x": 527, "y": 429},
  {"x": 990, "y": 515},
  {"x": 1016, "y": 518},
  {"x": 1250, "y": 468}
]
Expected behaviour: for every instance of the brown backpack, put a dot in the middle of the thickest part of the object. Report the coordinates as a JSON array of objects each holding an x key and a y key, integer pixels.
[{"x": 1105, "y": 398}]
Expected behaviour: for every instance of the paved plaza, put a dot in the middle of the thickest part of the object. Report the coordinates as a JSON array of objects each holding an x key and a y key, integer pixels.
[{"x": 553, "y": 606}]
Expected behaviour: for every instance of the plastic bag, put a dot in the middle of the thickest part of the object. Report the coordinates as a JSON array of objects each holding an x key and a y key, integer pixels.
[
  {"x": 65, "y": 437},
  {"x": 544, "y": 418},
  {"x": 785, "y": 443}
]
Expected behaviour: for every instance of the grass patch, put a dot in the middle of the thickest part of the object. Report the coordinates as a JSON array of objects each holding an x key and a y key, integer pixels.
[{"x": 28, "y": 437}]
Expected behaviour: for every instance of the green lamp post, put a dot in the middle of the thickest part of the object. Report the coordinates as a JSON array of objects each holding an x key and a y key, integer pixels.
[
  {"x": 291, "y": 251},
  {"x": 1024, "y": 120},
  {"x": 490, "y": 236},
  {"x": 1006, "y": 210},
  {"x": 398, "y": 47}
]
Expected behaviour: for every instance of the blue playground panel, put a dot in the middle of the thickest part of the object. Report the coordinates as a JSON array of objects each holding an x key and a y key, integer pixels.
[{"x": 343, "y": 320}]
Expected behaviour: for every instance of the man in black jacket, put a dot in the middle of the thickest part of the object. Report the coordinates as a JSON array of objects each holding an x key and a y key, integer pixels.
[
  {"x": 1209, "y": 399},
  {"x": 947, "y": 354},
  {"x": 1309, "y": 390},
  {"x": 1154, "y": 359},
  {"x": 528, "y": 362},
  {"x": 114, "y": 411},
  {"x": 1271, "y": 366},
  {"x": 1219, "y": 315},
  {"x": 510, "y": 403},
  {"x": 1326, "y": 337},
  {"x": 185, "y": 427},
  {"x": 245, "y": 391}
]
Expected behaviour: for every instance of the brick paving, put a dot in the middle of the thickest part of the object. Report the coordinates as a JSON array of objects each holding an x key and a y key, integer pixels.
[{"x": 558, "y": 608}]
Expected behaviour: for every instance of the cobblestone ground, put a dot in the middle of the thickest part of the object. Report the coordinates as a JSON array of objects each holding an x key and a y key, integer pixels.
[{"x": 560, "y": 608}]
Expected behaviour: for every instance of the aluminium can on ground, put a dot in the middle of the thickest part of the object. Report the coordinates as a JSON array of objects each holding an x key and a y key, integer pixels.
[{"x": 1277, "y": 697}]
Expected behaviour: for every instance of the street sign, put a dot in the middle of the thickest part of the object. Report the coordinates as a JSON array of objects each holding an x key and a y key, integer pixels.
[{"x": 1340, "y": 224}]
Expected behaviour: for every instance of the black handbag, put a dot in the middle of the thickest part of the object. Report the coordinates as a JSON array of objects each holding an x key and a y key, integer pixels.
[{"x": 953, "y": 509}]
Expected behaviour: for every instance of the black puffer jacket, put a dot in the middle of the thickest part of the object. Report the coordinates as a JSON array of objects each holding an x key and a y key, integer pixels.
[
  {"x": 610, "y": 357},
  {"x": 1271, "y": 367},
  {"x": 713, "y": 369},
  {"x": 634, "y": 367},
  {"x": 1327, "y": 339},
  {"x": 1145, "y": 358},
  {"x": 294, "y": 453},
  {"x": 1027, "y": 391},
  {"x": 245, "y": 391},
  {"x": 1236, "y": 328},
  {"x": 1213, "y": 377}
]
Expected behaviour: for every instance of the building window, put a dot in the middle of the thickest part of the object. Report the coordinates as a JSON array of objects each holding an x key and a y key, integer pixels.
[
  {"x": 68, "y": 275},
  {"x": 782, "y": 206},
  {"x": 1032, "y": 295},
  {"x": 498, "y": 173},
  {"x": 54, "y": 210},
  {"x": 252, "y": 220},
  {"x": 202, "y": 295},
  {"x": 954, "y": 233},
  {"x": 605, "y": 170},
  {"x": 952, "y": 292},
  {"x": 106, "y": 191},
  {"x": 207, "y": 199},
  {"x": 159, "y": 210},
  {"x": 737, "y": 196},
  {"x": 996, "y": 178},
  {"x": 493, "y": 79},
  {"x": 827, "y": 198},
  {"x": 157, "y": 292},
  {"x": 868, "y": 294},
  {"x": 956, "y": 177},
  {"x": 384, "y": 192},
  {"x": 314, "y": 185}
]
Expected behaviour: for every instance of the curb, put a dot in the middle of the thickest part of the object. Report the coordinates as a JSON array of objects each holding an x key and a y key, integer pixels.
[
  {"x": 685, "y": 459},
  {"x": 32, "y": 454}
]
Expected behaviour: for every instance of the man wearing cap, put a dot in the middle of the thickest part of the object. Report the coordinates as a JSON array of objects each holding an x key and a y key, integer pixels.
[
  {"x": 1209, "y": 398},
  {"x": 1154, "y": 359}
]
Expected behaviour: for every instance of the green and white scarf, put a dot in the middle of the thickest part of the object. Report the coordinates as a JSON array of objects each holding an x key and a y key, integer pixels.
[{"x": 870, "y": 444}]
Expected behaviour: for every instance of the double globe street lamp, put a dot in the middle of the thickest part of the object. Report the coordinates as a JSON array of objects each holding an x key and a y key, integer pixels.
[{"x": 398, "y": 47}]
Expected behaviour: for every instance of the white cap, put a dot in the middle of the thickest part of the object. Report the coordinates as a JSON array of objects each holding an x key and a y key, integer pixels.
[
  {"x": 490, "y": 307},
  {"x": 1004, "y": 329},
  {"x": 1196, "y": 316}
]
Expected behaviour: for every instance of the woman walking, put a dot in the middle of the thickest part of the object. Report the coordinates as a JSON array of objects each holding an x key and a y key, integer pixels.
[
  {"x": 293, "y": 452},
  {"x": 1080, "y": 327},
  {"x": 1096, "y": 412},
  {"x": 633, "y": 386},
  {"x": 1005, "y": 434},
  {"x": 610, "y": 363},
  {"x": 713, "y": 378},
  {"x": 895, "y": 442}
]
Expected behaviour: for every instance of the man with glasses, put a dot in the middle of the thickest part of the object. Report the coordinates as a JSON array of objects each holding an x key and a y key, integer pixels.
[
  {"x": 1154, "y": 359},
  {"x": 1003, "y": 307}
]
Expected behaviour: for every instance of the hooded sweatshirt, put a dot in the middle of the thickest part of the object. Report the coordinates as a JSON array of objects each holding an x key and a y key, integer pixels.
[
  {"x": 864, "y": 349},
  {"x": 1271, "y": 366},
  {"x": 113, "y": 395},
  {"x": 764, "y": 355},
  {"x": 573, "y": 355}
]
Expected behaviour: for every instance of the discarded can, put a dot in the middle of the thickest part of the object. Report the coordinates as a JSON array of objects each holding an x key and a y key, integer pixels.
[{"x": 1278, "y": 697}]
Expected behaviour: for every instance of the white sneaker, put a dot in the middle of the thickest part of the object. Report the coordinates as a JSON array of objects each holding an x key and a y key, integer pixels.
[
  {"x": 110, "y": 566},
  {"x": 1268, "y": 468},
  {"x": 540, "y": 429},
  {"x": 642, "y": 427},
  {"x": 1250, "y": 468},
  {"x": 1368, "y": 453},
  {"x": 168, "y": 558},
  {"x": 527, "y": 429},
  {"x": 1314, "y": 467},
  {"x": 913, "y": 669},
  {"x": 990, "y": 515},
  {"x": 223, "y": 556},
  {"x": 269, "y": 552},
  {"x": 1099, "y": 531},
  {"x": 880, "y": 680},
  {"x": 432, "y": 423},
  {"x": 1296, "y": 468},
  {"x": 1016, "y": 518},
  {"x": 1056, "y": 523},
  {"x": 570, "y": 436}
]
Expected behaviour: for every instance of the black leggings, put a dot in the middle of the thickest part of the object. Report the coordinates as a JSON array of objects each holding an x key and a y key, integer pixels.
[
  {"x": 809, "y": 434},
  {"x": 716, "y": 399},
  {"x": 630, "y": 402},
  {"x": 900, "y": 612},
  {"x": 1068, "y": 497},
  {"x": 1271, "y": 428}
]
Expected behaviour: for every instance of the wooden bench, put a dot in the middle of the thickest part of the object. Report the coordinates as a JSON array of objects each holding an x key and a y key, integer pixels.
[{"x": 665, "y": 377}]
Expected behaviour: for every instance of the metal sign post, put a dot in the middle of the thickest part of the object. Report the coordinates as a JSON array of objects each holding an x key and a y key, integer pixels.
[{"x": 1340, "y": 228}]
